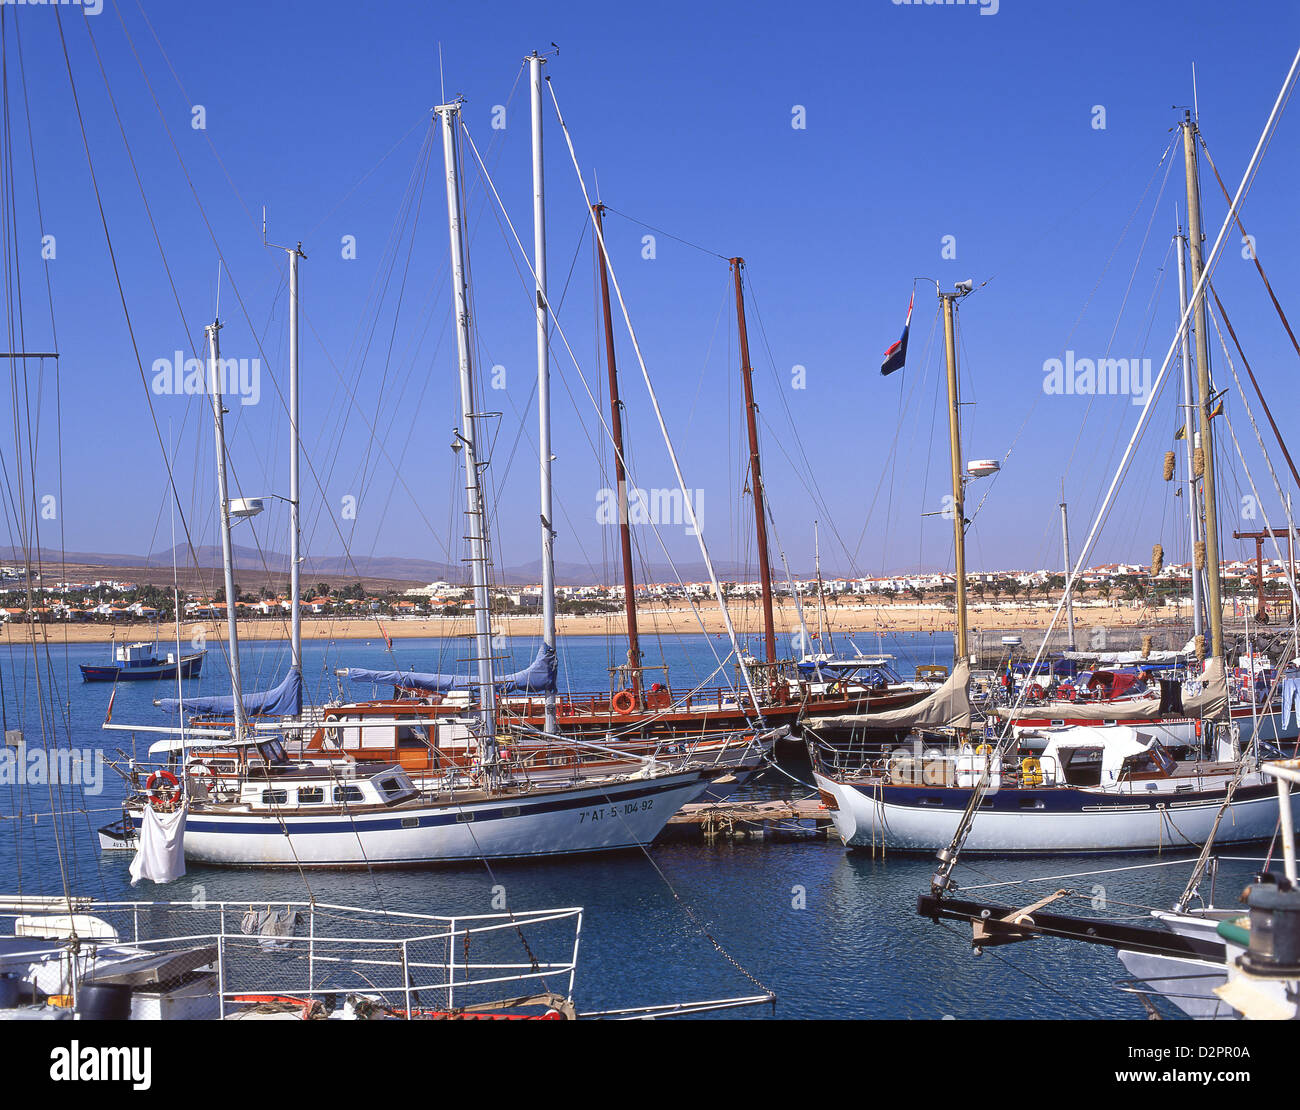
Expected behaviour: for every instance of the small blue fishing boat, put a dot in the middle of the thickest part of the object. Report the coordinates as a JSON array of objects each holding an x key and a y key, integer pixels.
[{"x": 141, "y": 661}]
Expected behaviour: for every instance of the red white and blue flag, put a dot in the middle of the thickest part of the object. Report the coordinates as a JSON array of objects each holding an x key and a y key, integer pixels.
[{"x": 897, "y": 353}]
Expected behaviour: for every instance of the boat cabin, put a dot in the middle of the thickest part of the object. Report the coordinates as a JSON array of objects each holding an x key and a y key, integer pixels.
[{"x": 296, "y": 787}]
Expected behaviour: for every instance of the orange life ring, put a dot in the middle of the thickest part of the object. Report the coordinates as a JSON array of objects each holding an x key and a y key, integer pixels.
[
  {"x": 623, "y": 703},
  {"x": 151, "y": 789}
]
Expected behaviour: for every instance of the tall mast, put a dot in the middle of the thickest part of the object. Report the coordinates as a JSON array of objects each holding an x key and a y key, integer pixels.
[
  {"x": 620, "y": 470},
  {"x": 1203, "y": 389},
  {"x": 535, "y": 62},
  {"x": 295, "y": 485},
  {"x": 1065, "y": 545},
  {"x": 755, "y": 468},
  {"x": 1191, "y": 437},
  {"x": 227, "y": 551},
  {"x": 467, "y": 438},
  {"x": 958, "y": 485}
]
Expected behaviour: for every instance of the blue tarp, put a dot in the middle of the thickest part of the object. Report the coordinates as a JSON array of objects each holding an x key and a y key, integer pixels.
[
  {"x": 539, "y": 677},
  {"x": 283, "y": 701}
]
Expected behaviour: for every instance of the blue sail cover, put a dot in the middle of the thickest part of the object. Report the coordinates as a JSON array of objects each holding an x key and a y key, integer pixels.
[
  {"x": 539, "y": 677},
  {"x": 283, "y": 701}
]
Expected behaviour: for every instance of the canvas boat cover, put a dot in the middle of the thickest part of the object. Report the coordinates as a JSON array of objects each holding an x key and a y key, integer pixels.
[
  {"x": 284, "y": 700},
  {"x": 1211, "y": 703},
  {"x": 948, "y": 706},
  {"x": 539, "y": 677}
]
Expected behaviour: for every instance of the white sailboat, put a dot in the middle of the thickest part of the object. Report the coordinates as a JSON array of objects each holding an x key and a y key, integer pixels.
[
  {"x": 340, "y": 814},
  {"x": 1096, "y": 787}
]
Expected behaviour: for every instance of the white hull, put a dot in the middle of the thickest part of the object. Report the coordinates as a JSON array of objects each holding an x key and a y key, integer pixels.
[
  {"x": 900, "y": 820},
  {"x": 590, "y": 818}
]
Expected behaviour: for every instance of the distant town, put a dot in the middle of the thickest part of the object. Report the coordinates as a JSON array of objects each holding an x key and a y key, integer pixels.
[{"x": 112, "y": 600}]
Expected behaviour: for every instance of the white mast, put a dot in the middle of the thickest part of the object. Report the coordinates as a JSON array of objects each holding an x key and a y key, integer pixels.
[
  {"x": 467, "y": 439},
  {"x": 227, "y": 552},
  {"x": 295, "y": 491},
  {"x": 295, "y": 452},
  {"x": 1065, "y": 545},
  {"x": 535, "y": 63},
  {"x": 1191, "y": 437}
]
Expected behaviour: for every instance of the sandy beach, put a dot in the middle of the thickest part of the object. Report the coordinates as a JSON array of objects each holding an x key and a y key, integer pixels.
[{"x": 653, "y": 621}]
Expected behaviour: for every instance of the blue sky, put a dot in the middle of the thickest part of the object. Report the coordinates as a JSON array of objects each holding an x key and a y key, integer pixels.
[{"x": 921, "y": 122}]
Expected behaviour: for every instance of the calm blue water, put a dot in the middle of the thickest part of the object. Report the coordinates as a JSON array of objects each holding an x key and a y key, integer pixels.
[{"x": 833, "y": 933}]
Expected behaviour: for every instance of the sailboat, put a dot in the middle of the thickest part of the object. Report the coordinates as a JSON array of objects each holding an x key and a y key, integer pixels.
[
  {"x": 339, "y": 814},
  {"x": 1101, "y": 787},
  {"x": 637, "y": 711}
]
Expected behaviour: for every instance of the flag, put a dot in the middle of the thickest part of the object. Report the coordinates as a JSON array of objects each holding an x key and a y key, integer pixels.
[{"x": 897, "y": 353}]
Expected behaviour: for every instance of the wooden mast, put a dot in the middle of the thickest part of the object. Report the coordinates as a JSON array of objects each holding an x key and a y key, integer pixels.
[
  {"x": 1214, "y": 586},
  {"x": 620, "y": 470},
  {"x": 755, "y": 468},
  {"x": 958, "y": 484}
]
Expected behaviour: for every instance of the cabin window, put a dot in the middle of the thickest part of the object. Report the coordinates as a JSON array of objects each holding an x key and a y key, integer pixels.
[
  {"x": 308, "y": 795},
  {"x": 347, "y": 794},
  {"x": 274, "y": 797},
  {"x": 408, "y": 737}
]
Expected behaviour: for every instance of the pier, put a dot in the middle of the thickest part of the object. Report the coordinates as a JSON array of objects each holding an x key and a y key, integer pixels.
[{"x": 785, "y": 820}]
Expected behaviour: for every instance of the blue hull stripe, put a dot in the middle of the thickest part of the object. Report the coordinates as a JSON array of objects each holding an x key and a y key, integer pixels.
[{"x": 258, "y": 823}]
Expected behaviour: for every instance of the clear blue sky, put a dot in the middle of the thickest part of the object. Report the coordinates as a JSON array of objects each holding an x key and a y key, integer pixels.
[{"x": 922, "y": 122}]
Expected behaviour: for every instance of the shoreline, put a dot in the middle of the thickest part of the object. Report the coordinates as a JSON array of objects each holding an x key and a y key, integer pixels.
[{"x": 844, "y": 621}]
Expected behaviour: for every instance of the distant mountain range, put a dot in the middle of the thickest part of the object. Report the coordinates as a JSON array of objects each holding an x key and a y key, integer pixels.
[{"x": 324, "y": 567}]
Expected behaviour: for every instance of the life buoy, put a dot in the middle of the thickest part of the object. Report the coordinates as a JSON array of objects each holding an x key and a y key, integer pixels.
[
  {"x": 624, "y": 703},
  {"x": 151, "y": 786}
]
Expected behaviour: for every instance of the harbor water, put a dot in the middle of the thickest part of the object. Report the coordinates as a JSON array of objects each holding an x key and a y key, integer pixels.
[{"x": 834, "y": 934}]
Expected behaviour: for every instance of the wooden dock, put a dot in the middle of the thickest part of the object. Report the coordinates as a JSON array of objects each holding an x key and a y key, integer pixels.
[{"x": 804, "y": 819}]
